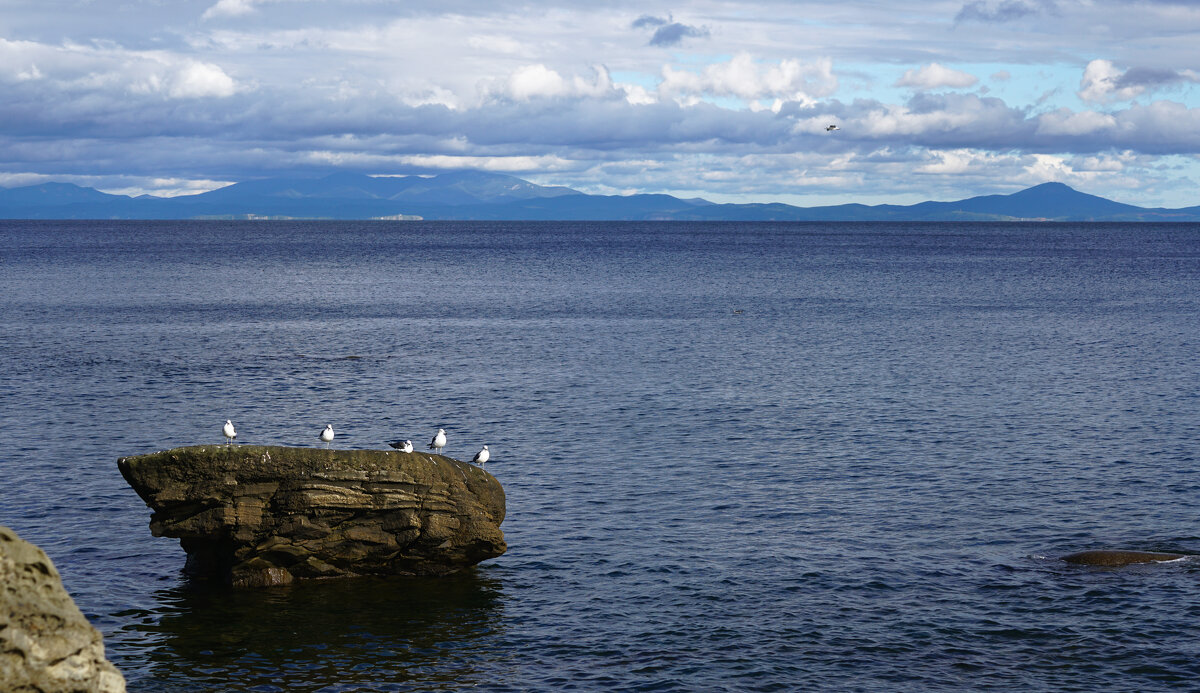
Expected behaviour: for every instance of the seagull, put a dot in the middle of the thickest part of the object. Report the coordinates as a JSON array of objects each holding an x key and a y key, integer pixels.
[
  {"x": 327, "y": 435},
  {"x": 438, "y": 442},
  {"x": 482, "y": 456},
  {"x": 402, "y": 445},
  {"x": 831, "y": 128},
  {"x": 228, "y": 430}
]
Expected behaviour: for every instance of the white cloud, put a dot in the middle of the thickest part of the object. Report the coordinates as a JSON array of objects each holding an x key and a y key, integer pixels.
[
  {"x": 1102, "y": 82},
  {"x": 110, "y": 71},
  {"x": 1099, "y": 84},
  {"x": 498, "y": 164},
  {"x": 538, "y": 81},
  {"x": 954, "y": 161},
  {"x": 229, "y": 8},
  {"x": 743, "y": 77},
  {"x": 504, "y": 45},
  {"x": 1065, "y": 122},
  {"x": 201, "y": 79},
  {"x": 936, "y": 76}
]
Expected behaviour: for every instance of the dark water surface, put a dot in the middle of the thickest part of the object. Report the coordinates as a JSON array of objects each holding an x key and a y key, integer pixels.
[{"x": 737, "y": 456}]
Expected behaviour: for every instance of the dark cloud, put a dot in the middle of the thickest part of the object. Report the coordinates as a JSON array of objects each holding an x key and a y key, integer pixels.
[
  {"x": 1004, "y": 11},
  {"x": 672, "y": 34},
  {"x": 646, "y": 20},
  {"x": 668, "y": 32},
  {"x": 1150, "y": 77}
]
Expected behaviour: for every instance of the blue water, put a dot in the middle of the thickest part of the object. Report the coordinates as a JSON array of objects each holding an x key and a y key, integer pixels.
[{"x": 737, "y": 456}]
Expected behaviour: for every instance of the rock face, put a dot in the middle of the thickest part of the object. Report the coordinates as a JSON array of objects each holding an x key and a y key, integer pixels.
[
  {"x": 46, "y": 644},
  {"x": 1119, "y": 558},
  {"x": 254, "y": 515}
]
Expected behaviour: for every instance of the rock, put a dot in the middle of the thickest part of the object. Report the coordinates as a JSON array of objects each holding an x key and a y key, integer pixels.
[
  {"x": 1120, "y": 558},
  {"x": 46, "y": 644},
  {"x": 257, "y": 516}
]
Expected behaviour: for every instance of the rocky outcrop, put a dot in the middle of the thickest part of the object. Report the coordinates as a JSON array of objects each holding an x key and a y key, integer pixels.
[
  {"x": 1120, "y": 558},
  {"x": 254, "y": 515},
  {"x": 46, "y": 644}
]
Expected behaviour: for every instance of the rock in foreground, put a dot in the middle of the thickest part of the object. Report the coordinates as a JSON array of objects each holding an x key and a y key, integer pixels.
[
  {"x": 255, "y": 515},
  {"x": 46, "y": 644}
]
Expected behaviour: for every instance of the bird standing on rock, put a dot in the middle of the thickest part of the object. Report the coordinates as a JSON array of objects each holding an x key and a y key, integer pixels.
[
  {"x": 327, "y": 435},
  {"x": 438, "y": 442},
  {"x": 482, "y": 456},
  {"x": 402, "y": 445},
  {"x": 228, "y": 431}
]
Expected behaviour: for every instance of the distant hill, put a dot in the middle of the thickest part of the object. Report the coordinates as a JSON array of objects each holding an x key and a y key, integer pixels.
[{"x": 481, "y": 195}]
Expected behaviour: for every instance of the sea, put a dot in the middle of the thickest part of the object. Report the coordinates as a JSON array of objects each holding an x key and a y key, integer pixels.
[{"x": 737, "y": 456}]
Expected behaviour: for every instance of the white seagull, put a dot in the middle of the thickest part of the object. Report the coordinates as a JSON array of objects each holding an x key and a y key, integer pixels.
[
  {"x": 482, "y": 456},
  {"x": 438, "y": 442},
  {"x": 327, "y": 435},
  {"x": 402, "y": 445},
  {"x": 831, "y": 128},
  {"x": 227, "y": 429}
]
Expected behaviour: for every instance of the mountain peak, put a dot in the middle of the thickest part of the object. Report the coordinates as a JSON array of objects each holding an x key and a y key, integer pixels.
[{"x": 1051, "y": 185}]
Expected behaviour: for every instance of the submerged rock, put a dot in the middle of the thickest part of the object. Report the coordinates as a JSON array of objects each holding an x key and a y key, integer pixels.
[
  {"x": 1120, "y": 558},
  {"x": 261, "y": 515},
  {"x": 46, "y": 644}
]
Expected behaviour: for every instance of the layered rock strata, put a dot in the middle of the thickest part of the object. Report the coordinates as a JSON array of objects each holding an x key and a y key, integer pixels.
[
  {"x": 262, "y": 515},
  {"x": 46, "y": 644}
]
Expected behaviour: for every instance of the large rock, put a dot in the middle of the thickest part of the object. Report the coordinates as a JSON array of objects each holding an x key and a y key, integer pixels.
[
  {"x": 46, "y": 644},
  {"x": 254, "y": 515}
]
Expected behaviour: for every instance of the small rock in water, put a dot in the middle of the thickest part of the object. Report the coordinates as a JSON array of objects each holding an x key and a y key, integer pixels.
[{"x": 1120, "y": 558}]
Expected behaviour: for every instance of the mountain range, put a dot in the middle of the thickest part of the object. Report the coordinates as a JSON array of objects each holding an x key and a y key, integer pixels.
[{"x": 492, "y": 196}]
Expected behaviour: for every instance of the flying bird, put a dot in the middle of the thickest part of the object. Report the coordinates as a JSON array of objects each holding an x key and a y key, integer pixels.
[
  {"x": 402, "y": 445},
  {"x": 831, "y": 128},
  {"x": 327, "y": 435},
  {"x": 482, "y": 456},
  {"x": 438, "y": 442},
  {"x": 228, "y": 431}
]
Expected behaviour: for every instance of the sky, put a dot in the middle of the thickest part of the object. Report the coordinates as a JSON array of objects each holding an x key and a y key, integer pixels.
[{"x": 721, "y": 99}]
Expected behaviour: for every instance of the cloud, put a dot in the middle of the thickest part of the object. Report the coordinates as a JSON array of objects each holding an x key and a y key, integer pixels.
[
  {"x": 197, "y": 80},
  {"x": 1103, "y": 82},
  {"x": 647, "y": 20},
  {"x": 935, "y": 76},
  {"x": 745, "y": 78},
  {"x": 229, "y": 8},
  {"x": 1154, "y": 77},
  {"x": 1003, "y": 11},
  {"x": 108, "y": 73},
  {"x": 668, "y": 32},
  {"x": 673, "y": 34},
  {"x": 538, "y": 81},
  {"x": 1065, "y": 122}
]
